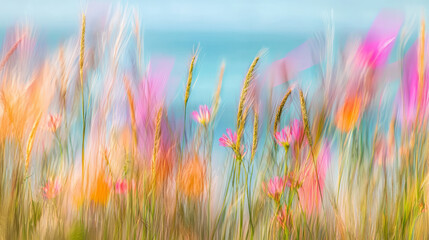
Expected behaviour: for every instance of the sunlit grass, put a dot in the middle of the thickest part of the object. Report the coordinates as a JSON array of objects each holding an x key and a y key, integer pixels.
[{"x": 92, "y": 147}]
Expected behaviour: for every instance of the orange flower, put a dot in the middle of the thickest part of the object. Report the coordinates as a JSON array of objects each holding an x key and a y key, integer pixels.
[
  {"x": 191, "y": 178},
  {"x": 100, "y": 191},
  {"x": 348, "y": 114},
  {"x": 164, "y": 166}
]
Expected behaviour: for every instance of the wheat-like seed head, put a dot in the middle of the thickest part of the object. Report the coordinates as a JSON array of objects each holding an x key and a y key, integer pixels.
[
  {"x": 157, "y": 140},
  {"x": 10, "y": 52},
  {"x": 280, "y": 110},
  {"x": 305, "y": 118},
  {"x": 249, "y": 76},
  {"x": 31, "y": 140},
  {"x": 255, "y": 132},
  {"x": 189, "y": 82},
  {"x": 241, "y": 117},
  {"x": 63, "y": 85},
  {"x": 219, "y": 87},
  {"x": 137, "y": 34},
  {"x": 240, "y": 129},
  {"x": 82, "y": 49},
  {"x": 132, "y": 110}
]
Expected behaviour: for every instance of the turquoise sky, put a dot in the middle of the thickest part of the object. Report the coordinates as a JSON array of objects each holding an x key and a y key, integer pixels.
[{"x": 220, "y": 15}]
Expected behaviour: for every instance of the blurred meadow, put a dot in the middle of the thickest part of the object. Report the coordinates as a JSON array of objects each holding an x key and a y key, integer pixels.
[{"x": 144, "y": 120}]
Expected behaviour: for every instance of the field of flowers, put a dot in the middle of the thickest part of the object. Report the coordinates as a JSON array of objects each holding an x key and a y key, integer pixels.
[{"x": 91, "y": 146}]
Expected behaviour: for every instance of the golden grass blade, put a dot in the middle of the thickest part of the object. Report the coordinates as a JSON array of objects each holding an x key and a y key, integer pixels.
[
  {"x": 82, "y": 49},
  {"x": 157, "y": 141},
  {"x": 305, "y": 118},
  {"x": 10, "y": 52},
  {"x": 63, "y": 88},
  {"x": 189, "y": 82},
  {"x": 137, "y": 34},
  {"x": 216, "y": 97},
  {"x": 81, "y": 61},
  {"x": 132, "y": 110},
  {"x": 241, "y": 128},
  {"x": 249, "y": 77},
  {"x": 31, "y": 141},
  {"x": 280, "y": 110},
  {"x": 309, "y": 138},
  {"x": 255, "y": 133}
]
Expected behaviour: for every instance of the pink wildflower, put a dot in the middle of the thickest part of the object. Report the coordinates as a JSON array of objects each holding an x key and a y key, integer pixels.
[
  {"x": 309, "y": 194},
  {"x": 122, "y": 186},
  {"x": 291, "y": 135},
  {"x": 229, "y": 139},
  {"x": 411, "y": 87},
  {"x": 380, "y": 39},
  {"x": 202, "y": 116},
  {"x": 284, "y": 137},
  {"x": 297, "y": 131},
  {"x": 274, "y": 188},
  {"x": 54, "y": 122},
  {"x": 51, "y": 189}
]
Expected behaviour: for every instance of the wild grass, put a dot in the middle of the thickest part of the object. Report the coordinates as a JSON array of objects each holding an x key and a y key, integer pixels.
[{"x": 85, "y": 156}]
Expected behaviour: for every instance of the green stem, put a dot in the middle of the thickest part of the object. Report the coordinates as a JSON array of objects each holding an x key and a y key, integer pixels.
[
  {"x": 83, "y": 139},
  {"x": 249, "y": 201},
  {"x": 285, "y": 160},
  {"x": 224, "y": 201},
  {"x": 242, "y": 200}
]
